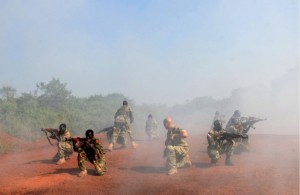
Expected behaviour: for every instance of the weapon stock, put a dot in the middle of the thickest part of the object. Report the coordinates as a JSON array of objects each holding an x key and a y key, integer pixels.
[{"x": 106, "y": 129}]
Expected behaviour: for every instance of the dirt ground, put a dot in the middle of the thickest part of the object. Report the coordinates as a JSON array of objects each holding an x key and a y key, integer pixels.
[{"x": 271, "y": 167}]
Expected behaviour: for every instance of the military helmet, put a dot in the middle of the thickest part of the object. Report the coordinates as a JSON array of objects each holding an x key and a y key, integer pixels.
[
  {"x": 89, "y": 133},
  {"x": 237, "y": 113},
  {"x": 125, "y": 103},
  {"x": 62, "y": 128},
  {"x": 217, "y": 125}
]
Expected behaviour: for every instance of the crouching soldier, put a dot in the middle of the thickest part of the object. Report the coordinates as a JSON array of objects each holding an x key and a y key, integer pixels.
[
  {"x": 220, "y": 142},
  {"x": 64, "y": 145},
  {"x": 177, "y": 148},
  {"x": 89, "y": 148}
]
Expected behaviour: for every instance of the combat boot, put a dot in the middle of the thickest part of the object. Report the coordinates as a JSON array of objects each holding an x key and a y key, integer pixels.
[
  {"x": 110, "y": 147},
  {"x": 172, "y": 171},
  {"x": 228, "y": 162},
  {"x": 98, "y": 169},
  {"x": 134, "y": 145},
  {"x": 213, "y": 162},
  {"x": 61, "y": 161},
  {"x": 82, "y": 173},
  {"x": 188, "y": 162}
]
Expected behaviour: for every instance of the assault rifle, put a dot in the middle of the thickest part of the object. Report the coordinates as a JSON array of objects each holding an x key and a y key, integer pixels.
[
  {"x": 106, "y": 129},
  {"x": 53, "y": 133},
  {"x": 79, "y": 141},
  {"x": 230, "y": 136},
  {"x": 249, "y": 122}
]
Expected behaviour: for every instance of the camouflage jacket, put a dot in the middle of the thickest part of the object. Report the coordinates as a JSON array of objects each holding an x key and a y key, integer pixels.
[
  {"x": 124, "y": 115},
  {"x": 178, "y": 140},
  {"x": 92, "y": 147},
  {"x": 233, "y": 125},
  {"x": 61, "y": 137},
  {"x": 213, "y": 138}
]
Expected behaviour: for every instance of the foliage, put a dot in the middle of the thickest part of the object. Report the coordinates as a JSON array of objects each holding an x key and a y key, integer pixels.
[{"x": 52, "y": 104}]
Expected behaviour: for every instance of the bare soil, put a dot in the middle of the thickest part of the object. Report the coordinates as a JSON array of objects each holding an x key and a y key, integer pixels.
[{"x": 271, "y": 167}]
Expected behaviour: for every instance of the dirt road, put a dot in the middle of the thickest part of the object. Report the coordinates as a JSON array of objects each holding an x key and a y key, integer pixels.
[{"x": 271, "y": 167}]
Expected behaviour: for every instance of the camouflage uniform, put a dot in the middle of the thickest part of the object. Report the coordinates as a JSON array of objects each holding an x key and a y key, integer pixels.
[
  {"x": 64, "y": 145},
  {"x": 236, "y": 126},
  {"x": 110, "y": 135},
  {"x": 123, "y": 120},
  {"x": 151, "y": 129},
  {"x": 233, "y": 124},
  {"x": 216, "y": 146},
  {"x": 91, "y": 150},
  {"x": 176, "y": 150}
]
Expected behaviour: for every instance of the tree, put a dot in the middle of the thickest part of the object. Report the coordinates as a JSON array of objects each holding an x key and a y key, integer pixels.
[
  {"x": 8, "y": 93},
  {"x": 54, "y": 94}
]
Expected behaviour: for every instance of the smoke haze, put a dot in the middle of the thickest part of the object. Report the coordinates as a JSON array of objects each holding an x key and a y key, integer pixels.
[
  {"x": 193, "y": 58},
  {"x": 155, "y": 52}
]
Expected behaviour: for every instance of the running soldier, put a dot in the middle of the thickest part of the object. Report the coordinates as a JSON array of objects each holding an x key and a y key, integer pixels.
[
  {"x": 151, "y": 128},
  {"x": 123, "y": 120},
  {"x": 176, "y": 150}
]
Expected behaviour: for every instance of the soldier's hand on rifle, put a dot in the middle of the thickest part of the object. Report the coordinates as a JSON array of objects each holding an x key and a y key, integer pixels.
[{"x": 78, "y": 144}]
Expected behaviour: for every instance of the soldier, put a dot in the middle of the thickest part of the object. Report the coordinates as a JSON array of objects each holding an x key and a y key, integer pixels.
[
  {"x": 218, "y": 116},
  {"x": 151, "y": 128},
  {"x": 217, "y": 145},
  {"x": 89, "y": 148},
  {"x": 234, "y": 122},
  {"x": 177, "y": 148},
  {"x": 64, "y": 147},
  {"x": 243, "y": 128},
  {"x": 123, "y": 120},
  {"x": 236, "y": 125}
]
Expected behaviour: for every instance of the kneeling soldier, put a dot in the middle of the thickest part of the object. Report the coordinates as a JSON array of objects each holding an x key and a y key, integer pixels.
[
  {"x": 89, "y": 148},
  {"x": 177, "y": 148}
]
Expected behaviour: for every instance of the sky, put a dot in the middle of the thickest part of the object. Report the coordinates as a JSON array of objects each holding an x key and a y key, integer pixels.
[{"x": 152, "y": 51}]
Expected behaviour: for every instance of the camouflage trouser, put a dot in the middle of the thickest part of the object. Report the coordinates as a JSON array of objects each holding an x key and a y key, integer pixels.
[
  {"x": 109, "y": 136},
  {"x": 177, "y": 156},
  {"x": 64, "y": 150},
  {"x": 119, "y": 133},
  {"x": 152, "y": 134},
  {"x": 214, "y": 152},
  {"x": 241, "y": 145},
  {"x": 114, "y": 136},
  {"x": 99, "y": 164}
]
